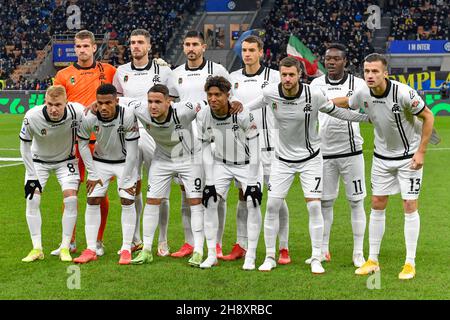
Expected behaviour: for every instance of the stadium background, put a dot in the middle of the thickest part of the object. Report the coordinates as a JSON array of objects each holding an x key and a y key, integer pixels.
[{"x": 36, "y": 40}]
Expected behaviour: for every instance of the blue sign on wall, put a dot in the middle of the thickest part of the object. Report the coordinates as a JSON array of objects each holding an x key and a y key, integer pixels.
[
  {"x": 230, "y": 5},
  {"x": 419, "y": 47},
  {"x": 63, "y": 53}
]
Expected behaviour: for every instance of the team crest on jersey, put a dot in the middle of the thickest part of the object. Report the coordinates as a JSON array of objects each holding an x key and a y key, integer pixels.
[
  {"x": 236, "y": 85},
  {"x": 156, "y": 79},
  {"x": 96, "y": 129},
  {"x": 72, "y": 80},
  {"x": 44, "y": 132},
  {"x": 366, "y": 105},
  {"x": 396, "y": 108},
  {"x": 415, "y": 103},
  {"x": 274, "y": 106},
  {"x": 180, "y": 80},
  {"x": 198, "y": 107},
  {"x": 307, "y": 108},
  {"x": 125, "y": 78}
]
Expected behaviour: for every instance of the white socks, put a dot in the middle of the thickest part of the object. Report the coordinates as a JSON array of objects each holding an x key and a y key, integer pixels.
[
  {"x": 197, "y": 227},
  {"x": 33, "y": 214},
  {"x": 211, "y": 223},
  {"x": 327, "y": 214},
  {"x": 241, "y": 223},
  {"x": 315, "y": 227},
  {"x": 186, "y": 219},
  {"x": 271, "y": 225},
  {"x": 138, "y": 206},
  {"x": 92, "y": 224},
  {"x": 128, "y": 225},
  {"x": 149, "y": 224},
  {"x": 69, "y": 219},
  {"x": 412, "y": 228},
  {"x": 283, "y": 233},
  {"x": 358, "y": 225},
  {"x": 163, "y": 219},
  {"x": 222, "y": 215},
  {"x": 376, "y": 231},
  {"x": 253, "y": 228}
]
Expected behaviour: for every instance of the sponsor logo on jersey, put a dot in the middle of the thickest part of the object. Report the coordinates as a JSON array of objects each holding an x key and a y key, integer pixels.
[
  {"x": 125, "y": 78},
  {"x": 44, "y": 132},
  {"x": 72, "y": 80},
  {"x": 180, "y": 80}
]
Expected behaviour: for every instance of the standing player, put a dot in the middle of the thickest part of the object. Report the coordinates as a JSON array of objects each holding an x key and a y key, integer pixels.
[
  {"x": 249, "y": 82},
  {"x": 81, "y": 81},
  {"x": 115, "y": 155},
  {"x": 188, "y": 81},
  {"x": 236, "y": 156},
  {"x": 133, "y": 80},
  {"x": 177, "y": 153},
  {"x": 295, "y": 107},
  {"x": 47, "y": 144},
  {"x": 400, "y": 147},
  {"x": 341, "y": 146}
]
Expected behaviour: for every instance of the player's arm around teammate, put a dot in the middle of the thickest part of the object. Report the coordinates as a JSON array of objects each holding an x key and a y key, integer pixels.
[{"x": 47, "y": 144}]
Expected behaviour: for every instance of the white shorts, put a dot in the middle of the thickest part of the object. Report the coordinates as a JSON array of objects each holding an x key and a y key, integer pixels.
[
  {"x": 352, "y": 171},
  {"x": 282, "y": 174},
  {"x": 225, "y": 173},
  {"x": 66, "y": 172},
  {"x": 267, "y": 158},
  {"x": 146, "y": 151},
  {"x": 188, "y": 170},
  {"x": 393, "y": 176},
  {"x": 105, "y": 172}
]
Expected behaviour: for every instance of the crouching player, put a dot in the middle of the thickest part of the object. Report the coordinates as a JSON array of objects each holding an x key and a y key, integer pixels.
[
  {"x": 236, "y": 156},
  {"x": 115, "y": 154},
  {"x": 48, "y": 137}
]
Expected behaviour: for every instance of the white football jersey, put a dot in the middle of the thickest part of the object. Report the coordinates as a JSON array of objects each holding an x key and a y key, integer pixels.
[
  {"x": 392, "y": 114},
  {"x": 189, "y": 84},
  {"x": 296, "y": 136},
  {"x": 52, "y": 141},
  {"x": 174, "y": 136},
  {"x": 245, "y": 88},
  {"x": 110, "y": 146},
  {"x": 339, "y": 137},
  {"x": 230, "y": 135},
  {"x": 134, "y": 82}
]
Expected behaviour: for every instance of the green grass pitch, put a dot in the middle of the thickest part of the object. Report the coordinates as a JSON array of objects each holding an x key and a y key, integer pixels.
[{"x": 169, "y": 278}]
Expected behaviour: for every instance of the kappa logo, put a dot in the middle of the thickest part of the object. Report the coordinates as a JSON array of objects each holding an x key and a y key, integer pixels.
[
  {"x": 396, "y": 108},
  {"x": 307, "y": 108},
  {"x": 44, "y": 132},
  {"x": 178, "y": 127},
  {"x": 411, "y": 94}
]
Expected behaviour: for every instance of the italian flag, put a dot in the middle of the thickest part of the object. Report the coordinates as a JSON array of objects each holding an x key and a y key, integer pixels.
[{"x": 298, "y": 50}]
